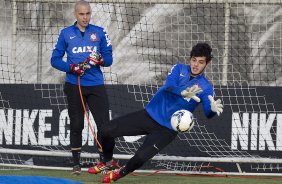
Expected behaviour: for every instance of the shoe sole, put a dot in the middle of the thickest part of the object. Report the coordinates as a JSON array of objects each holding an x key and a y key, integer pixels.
[{"x": 76, "y": 173}]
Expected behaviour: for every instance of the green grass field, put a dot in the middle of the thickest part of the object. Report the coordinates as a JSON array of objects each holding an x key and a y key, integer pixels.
[{"x": 143, "y": 179}]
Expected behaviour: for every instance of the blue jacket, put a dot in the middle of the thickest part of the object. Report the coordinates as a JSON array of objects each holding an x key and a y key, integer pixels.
[
  {"x": 78, "y": 48},
  {"x": 168, "y": 98}
]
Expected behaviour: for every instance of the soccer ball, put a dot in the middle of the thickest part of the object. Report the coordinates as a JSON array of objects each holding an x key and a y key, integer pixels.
[{"x": 182, "y": 120}]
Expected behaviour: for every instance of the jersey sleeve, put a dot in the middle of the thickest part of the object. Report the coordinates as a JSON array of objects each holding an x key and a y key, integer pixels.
[
  {"x": 106, "y": 49},
  {"x": 171, "y": 84},
  {"x": 58, "y": 54}
]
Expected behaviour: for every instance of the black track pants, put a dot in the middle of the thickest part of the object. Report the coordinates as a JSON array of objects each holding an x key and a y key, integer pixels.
[{"x": 138, "y": 123}]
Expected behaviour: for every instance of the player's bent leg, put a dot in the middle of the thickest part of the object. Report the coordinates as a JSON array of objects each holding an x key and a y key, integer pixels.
[{"x": 103, "y": 168}]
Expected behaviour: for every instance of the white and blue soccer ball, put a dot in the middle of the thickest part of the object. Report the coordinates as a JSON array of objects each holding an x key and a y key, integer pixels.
[{"x": 182, "y": 120}]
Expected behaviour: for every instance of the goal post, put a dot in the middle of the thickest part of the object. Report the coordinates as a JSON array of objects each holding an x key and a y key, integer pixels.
[
  {"x": 148, "y": 38},
  {"x": 253, "y": 159}
]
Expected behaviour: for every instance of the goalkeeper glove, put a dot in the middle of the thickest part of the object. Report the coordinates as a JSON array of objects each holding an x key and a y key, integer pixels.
[
  {"x": 191, "y": 93},
  {"x": 79, "y": 68},
  {"x": 216, "y": 106},
  {"x": 95, "y": 59}
]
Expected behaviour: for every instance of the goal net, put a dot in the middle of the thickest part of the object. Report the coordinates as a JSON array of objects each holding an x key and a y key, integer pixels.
[{"x": 148, "y": 38}]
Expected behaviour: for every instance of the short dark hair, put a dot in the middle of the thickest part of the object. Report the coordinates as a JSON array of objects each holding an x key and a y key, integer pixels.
[{"x": 200, "y": 50}]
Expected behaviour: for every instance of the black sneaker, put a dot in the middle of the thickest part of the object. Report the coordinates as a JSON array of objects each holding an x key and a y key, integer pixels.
[{"x": 76, "y": 170}]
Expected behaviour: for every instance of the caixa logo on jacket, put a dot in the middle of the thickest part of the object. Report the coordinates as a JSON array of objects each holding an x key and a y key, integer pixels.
[{"x": 84, "y": 49}]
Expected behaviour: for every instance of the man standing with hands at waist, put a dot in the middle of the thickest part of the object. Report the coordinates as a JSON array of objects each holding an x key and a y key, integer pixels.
[{"x": 88, "y": 48}]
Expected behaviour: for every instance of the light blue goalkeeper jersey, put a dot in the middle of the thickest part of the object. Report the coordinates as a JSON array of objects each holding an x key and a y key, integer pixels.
[
  {"x": 168, "y": 98},
  {"x": 78, "y": 48}
]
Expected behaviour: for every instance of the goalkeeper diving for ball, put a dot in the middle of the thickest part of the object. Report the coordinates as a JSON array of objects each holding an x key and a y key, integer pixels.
[{"x": 186, "y": 86}]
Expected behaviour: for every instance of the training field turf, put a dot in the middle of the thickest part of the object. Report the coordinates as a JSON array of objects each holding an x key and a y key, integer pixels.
[{"x": 143, "y": 179}]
